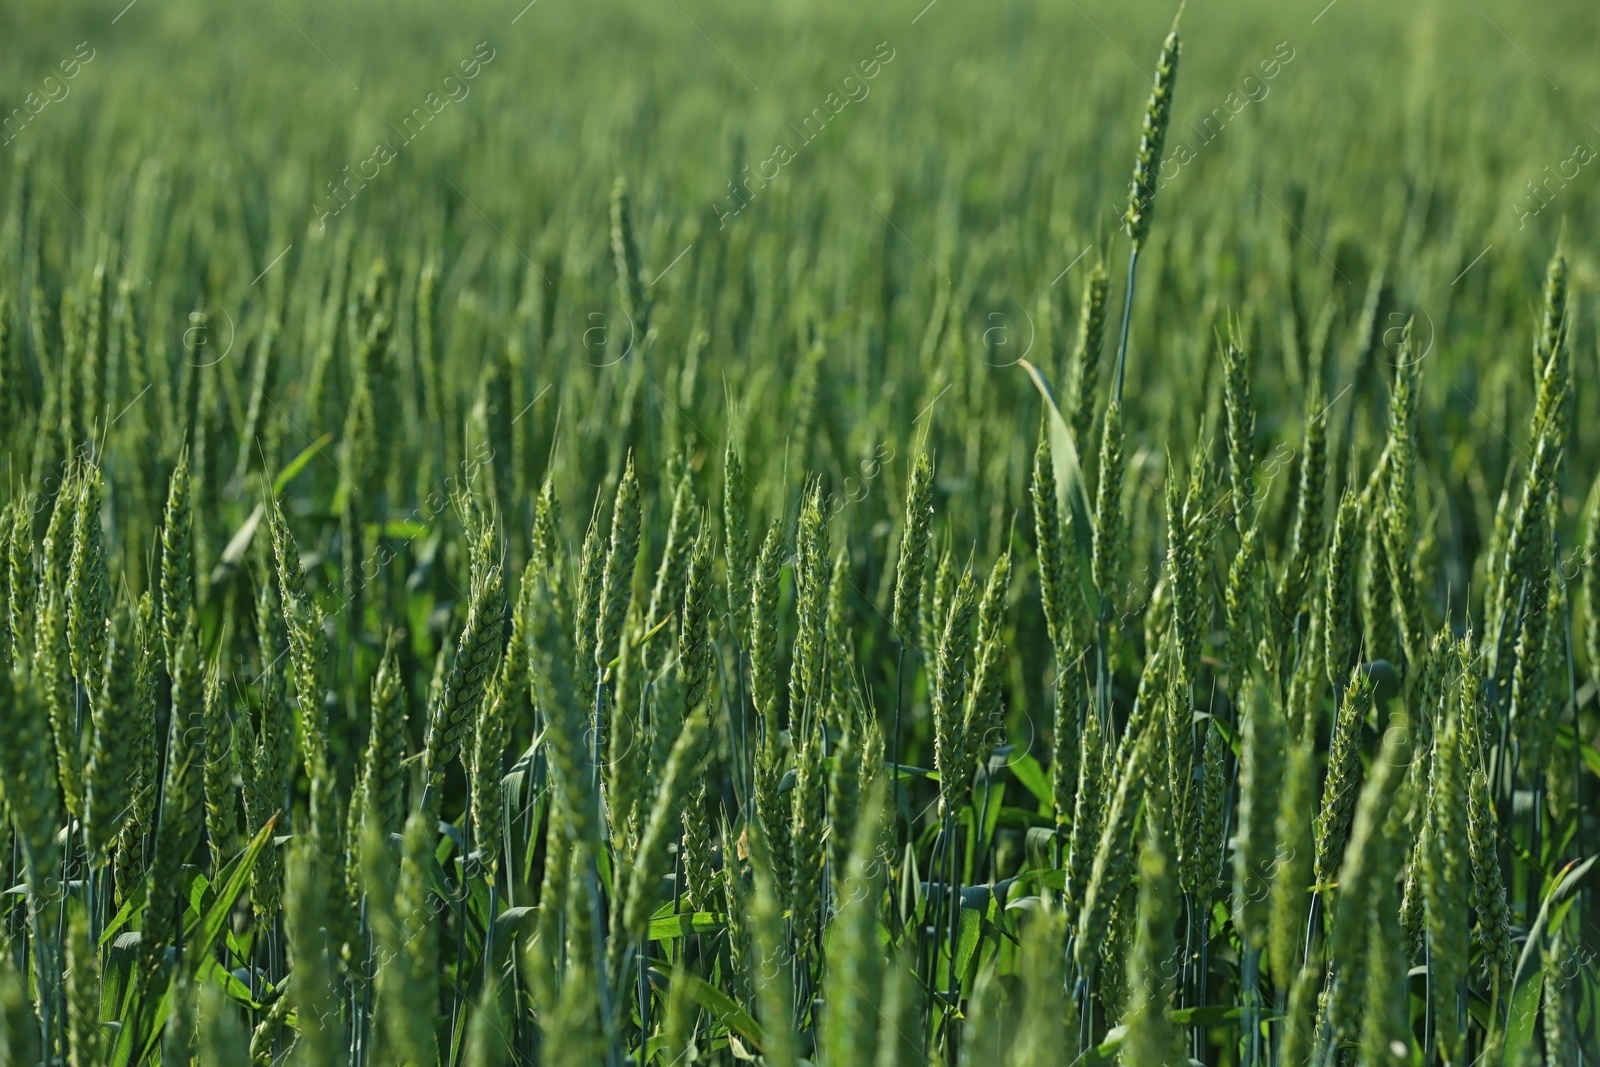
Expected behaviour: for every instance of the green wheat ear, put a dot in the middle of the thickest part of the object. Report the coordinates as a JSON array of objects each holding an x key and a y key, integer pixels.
[
  {"x": 383, "y": 772},
  {"x": 842, "y": 694},
  {"x": 1338, "y": 606},
  {"x": 1086, "y": 357},
  {"x": 1591, "y": 579},
  {"x": 631, "y": 286},
  {"x": 222, "y": 1038},
  {"x": 696, "y": 651},
  {"x": 1339, "y": 788},
  {"x": 52, "y": 655},
  {"x": 736, "y": 540},
  {"x": 1447, "y": 882},
  {"x": 20, "y": 580},
  {"x": 490, "y": 736},
  {"x": 1151, "y": 1038},
  {"x": 83, "y": 993},
  {"x": 478, "y": 651},
  {"x": 764, "y": 602},
  {"x": 110, "y": 773},
  {"x": 1261, "y": 772},
  {"x": 913, "y": 557},
  {"x": 670, "y": 575},
  {"x": 28, "y": 774},
  {"x": 1241, "y": 430},
  {"x": 306, "y": 919},
  {"x": 951, "y": 676},
  {"x": 217, "y": 778},
  {"x": 683, "y": 768},
  {"x": 1112, "y": 867},
  {"x": 984, "y": 725},
  {"x": 88, "y": 584},
  {"x": 807, "y": 847},
  {"x": 614, "y": 591},
  {"x": 1553, "y": 325},
  {"x": 1110, "y": 525},
  {"x": 813, "y": 575},
  {"x": 177, "y": 558},
  {"x": 1157, "y": 115}
]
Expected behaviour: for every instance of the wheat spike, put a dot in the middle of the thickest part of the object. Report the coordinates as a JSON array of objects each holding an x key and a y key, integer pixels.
[
  {"x": 478, "y": 653},
  {"x": 1261, "y": 770},
  {"x": 1157, "y": 115},
  {"x": 913, "y": 556}
]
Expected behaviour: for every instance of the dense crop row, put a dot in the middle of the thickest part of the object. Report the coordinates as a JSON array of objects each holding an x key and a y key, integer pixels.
[{"x": 672, "y": 630}]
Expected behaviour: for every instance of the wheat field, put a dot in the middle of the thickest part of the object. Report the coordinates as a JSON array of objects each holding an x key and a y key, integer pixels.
[{"x": 1004, "y": 534}]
